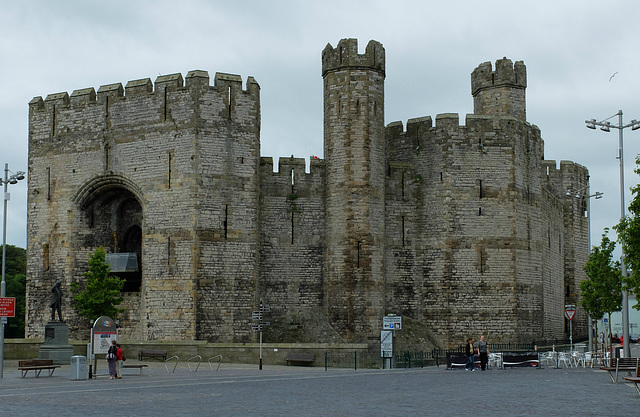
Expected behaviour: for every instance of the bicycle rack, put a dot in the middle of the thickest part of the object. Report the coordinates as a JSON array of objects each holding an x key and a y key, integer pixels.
[
  {"x": 174, "y": 366},
  {"x": 197, "y": 366},
  {"x": 219, "y": 361}
]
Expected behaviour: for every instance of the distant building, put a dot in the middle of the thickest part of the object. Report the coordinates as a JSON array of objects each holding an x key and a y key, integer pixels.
[{"x": 462, "y": 230}]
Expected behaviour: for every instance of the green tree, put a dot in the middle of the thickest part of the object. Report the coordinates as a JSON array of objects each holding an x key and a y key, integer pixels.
[
  {"x": 100, "y": 295},
  {"x": 601, "y": 292},
  {"x": 628, "y": 230},
  {"x": 16, "y": 286}
]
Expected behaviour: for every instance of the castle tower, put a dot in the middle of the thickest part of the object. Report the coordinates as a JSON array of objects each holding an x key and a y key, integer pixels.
[
  {"x": 500, "y": 92},
  {"x": 354, "y": 152}
]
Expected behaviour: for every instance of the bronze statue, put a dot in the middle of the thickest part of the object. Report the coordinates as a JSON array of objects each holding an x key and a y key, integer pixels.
[{"x": 56, "y": 301}]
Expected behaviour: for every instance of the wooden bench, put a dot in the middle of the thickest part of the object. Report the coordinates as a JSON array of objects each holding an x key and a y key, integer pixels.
[
  {"x": 300, "y": 358},
  {"x": 37, "y": 366},
  {"x": 618, "y": 365},
  {"x": 154, "y": 354},
  {"x": 138, "y": 366}
]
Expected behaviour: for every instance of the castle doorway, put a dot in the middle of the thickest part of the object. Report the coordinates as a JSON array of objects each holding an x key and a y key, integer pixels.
[{"x": 114, "y": 219}]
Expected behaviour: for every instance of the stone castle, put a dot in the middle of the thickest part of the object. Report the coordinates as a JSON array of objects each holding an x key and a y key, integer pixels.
[{"x": 460, "y": 229}]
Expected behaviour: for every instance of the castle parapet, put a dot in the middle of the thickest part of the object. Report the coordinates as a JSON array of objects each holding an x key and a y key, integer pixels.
[
  {"x": 500, "y": 92},
  {"x": 346, "y": 55},
  {"x": 139, "y": 87}
]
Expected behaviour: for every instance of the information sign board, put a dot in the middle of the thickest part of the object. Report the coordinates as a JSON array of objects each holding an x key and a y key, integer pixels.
[
  {"x": 386, "y": 343},
  {"x": 104, "y": 332},
  {"x": 392, "y": 322},
  {"x": 7, "y": 307}
]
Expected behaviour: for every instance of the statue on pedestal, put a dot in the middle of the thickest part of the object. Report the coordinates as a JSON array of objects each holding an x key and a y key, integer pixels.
[{"x": 55, "y": 302}]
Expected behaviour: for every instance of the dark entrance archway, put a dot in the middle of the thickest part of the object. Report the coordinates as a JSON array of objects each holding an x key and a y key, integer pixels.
[{"x": 113, "y": 212}]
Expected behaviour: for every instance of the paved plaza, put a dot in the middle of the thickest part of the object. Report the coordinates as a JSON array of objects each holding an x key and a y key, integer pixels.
[{"x": 244, "y": 390}]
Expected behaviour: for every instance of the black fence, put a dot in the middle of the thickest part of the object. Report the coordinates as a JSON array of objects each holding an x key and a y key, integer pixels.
[{"x": 435, "y": 357}]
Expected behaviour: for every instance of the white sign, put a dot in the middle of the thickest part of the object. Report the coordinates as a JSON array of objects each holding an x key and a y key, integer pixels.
[
  {"x": 569, "y": 314},
  {"x": 386, "y": 343},
  {"x": 392, "y": 322}
]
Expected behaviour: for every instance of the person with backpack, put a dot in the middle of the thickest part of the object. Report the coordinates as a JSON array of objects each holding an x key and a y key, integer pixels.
[{"x": 111, "y": 359}]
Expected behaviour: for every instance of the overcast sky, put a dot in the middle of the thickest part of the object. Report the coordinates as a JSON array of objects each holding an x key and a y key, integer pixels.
[{"x": 571, "y": 50}]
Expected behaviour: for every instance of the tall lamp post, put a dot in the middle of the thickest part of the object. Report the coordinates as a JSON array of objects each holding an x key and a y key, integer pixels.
[
  {"x": 585, "y": 193},
  {"x": 606, "y": 126},
  {"x": 13, "y": 179}
]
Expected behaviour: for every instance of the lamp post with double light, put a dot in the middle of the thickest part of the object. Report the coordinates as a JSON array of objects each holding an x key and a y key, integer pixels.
[
  {"x": 606, "y": 126},
  {"x": 585, "y": 194},
  {"x": 13, "y": 179}
]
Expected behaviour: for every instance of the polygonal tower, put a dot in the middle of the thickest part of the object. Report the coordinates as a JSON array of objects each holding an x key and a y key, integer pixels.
[
  {"x": 500, "y": 92},
  {"x": 354, "y": 151}
]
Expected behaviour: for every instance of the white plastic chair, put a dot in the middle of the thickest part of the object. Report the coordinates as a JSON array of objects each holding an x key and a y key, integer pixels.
[{"x": 564, "y": 358}]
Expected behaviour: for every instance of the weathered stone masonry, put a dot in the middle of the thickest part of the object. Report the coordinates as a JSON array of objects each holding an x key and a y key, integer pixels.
[{"x": 462, "y": 229}]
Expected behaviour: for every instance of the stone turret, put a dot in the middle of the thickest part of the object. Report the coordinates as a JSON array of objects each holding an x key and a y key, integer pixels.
[
  {"x": 354, "y": 150},
  {"x": 500, "y": 92}
]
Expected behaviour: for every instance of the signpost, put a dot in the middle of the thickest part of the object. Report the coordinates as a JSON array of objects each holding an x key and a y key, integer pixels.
[
  {"x": 570, "y": 313},
  {"x": 257, "y": 315},
  {"x": 390, "y": 324},
  {"x": 103, "y": 332}
]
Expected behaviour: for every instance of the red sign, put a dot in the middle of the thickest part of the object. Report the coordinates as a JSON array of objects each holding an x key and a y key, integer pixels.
[
  {"x": 7, "y": 307},
  {"x": 570, "y": 314}
]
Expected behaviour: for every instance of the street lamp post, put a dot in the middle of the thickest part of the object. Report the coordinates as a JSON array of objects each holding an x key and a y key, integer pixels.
[
  {"x": 597, "y": 195},
  {"x": 606, "y": 126},
  {"x": 13, "y": 179}
]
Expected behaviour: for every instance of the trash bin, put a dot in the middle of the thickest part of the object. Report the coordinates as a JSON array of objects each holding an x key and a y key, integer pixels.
[{"x": 79, "y": 367}]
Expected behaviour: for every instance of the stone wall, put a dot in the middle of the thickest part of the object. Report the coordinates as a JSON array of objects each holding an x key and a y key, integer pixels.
[{"x": 461, "y": 229}]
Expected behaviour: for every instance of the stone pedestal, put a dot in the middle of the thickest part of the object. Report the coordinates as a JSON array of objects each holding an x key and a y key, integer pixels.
[{"x": 56, "y": 343}]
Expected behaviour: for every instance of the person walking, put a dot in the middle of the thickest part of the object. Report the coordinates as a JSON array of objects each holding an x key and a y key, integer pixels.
[
  {"x": 119, "y": 359},
  {"x": 469, "y": 350},
  {"x": 111, "y": 359},
  {"x": 483, "y": 352}
]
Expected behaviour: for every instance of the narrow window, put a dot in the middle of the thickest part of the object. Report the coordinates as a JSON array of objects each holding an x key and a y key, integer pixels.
[
  {"x": 49, "y": 183},
  {"x": 481, "y": 254},
  {"x": 402, "y": 185},
  {"x": 45, "y": 256},
  {"x": 481, "y": 193},
  {"x": 168, "y": 251},
  {"x": 292, "y": 214},
  {"x": 170, "y": 160},
  {"x": 53, "y": 121},
  {"x": 106, "y": 111},
  {"x": 226, "y": 220},
  {"x": 106, "y": 157},
  {"x": 92, "y": 218},
  {"x": 479, "y": 211},
  {"x": 229, "y": 99},
  {"x": 164, "y": 105},
  {"x": 441, "y": 176},
  {"x": 403, "y": 235}
]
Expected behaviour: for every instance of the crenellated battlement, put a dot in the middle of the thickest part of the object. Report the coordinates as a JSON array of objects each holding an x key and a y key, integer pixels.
[
  {"x": 569, "y": 176},
  {"x": 145, "y": 87},
  {"x": 346, "y": 55},
  {"x": 452, "y": 121},
  {"x": 506, "y": 74},
  {"x": 500, "y": 92}
]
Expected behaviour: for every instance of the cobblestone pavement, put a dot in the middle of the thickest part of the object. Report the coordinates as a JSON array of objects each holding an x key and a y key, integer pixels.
[{"x": 243, "y": 390}]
